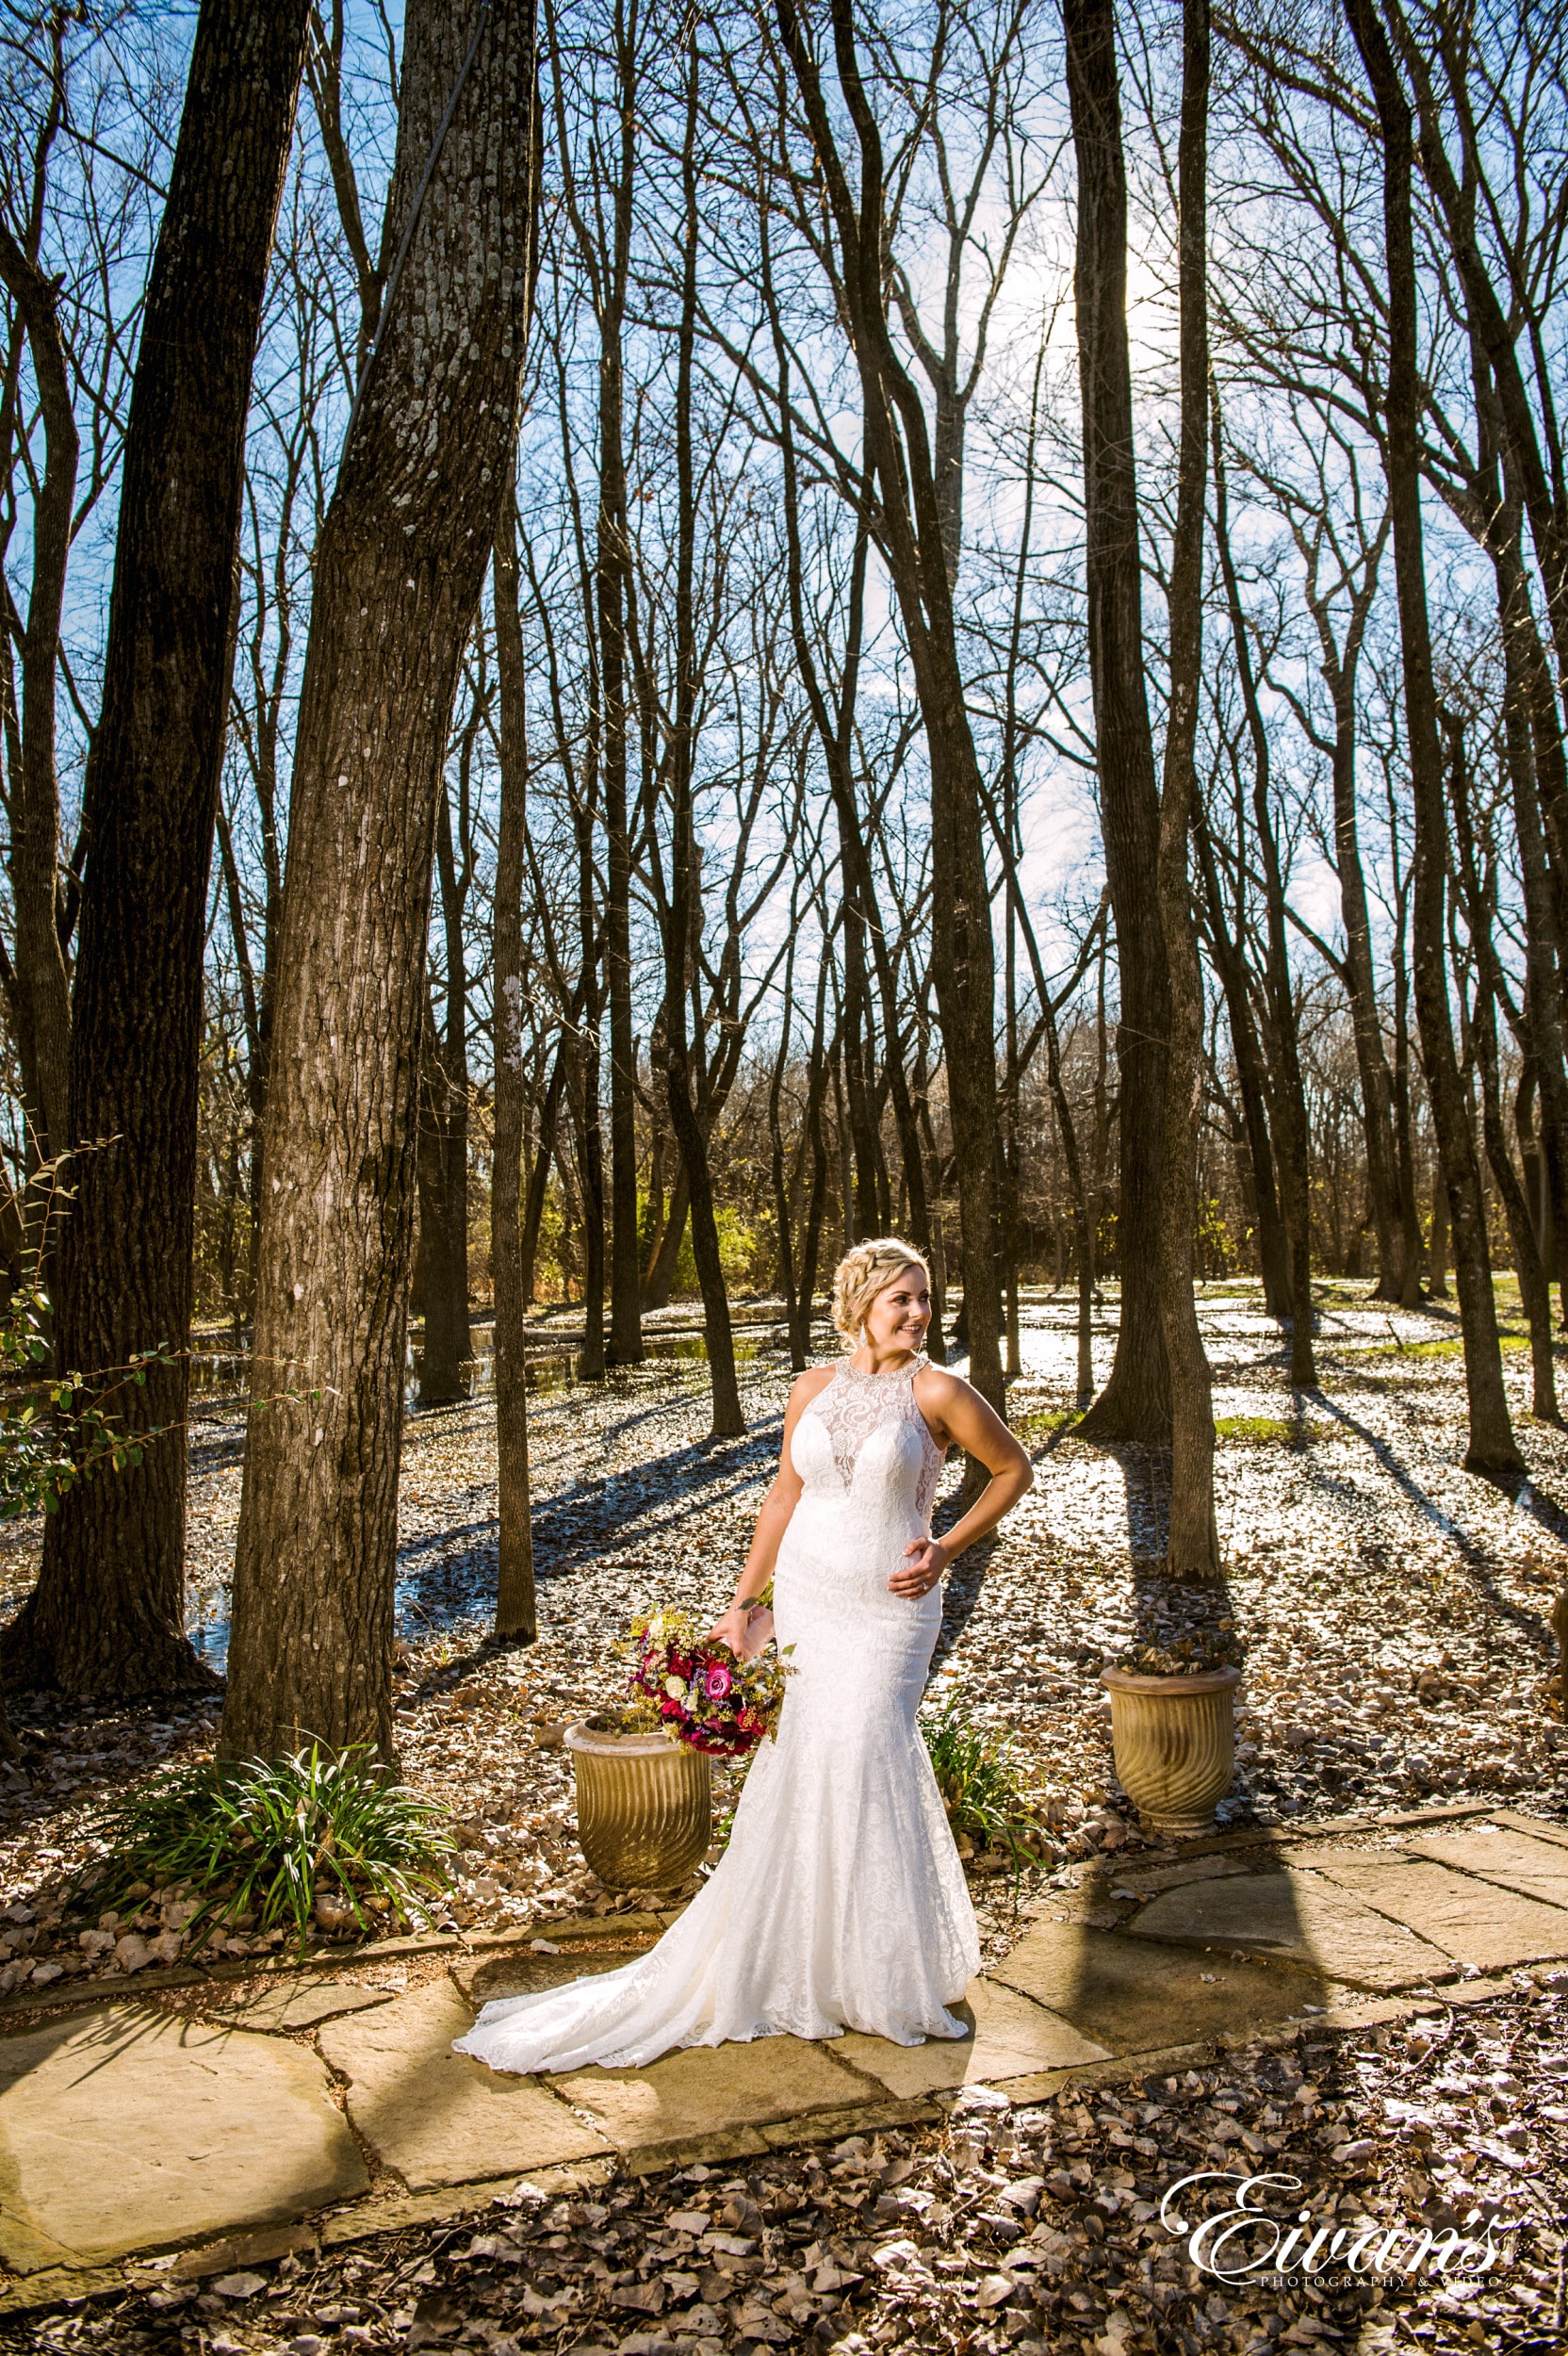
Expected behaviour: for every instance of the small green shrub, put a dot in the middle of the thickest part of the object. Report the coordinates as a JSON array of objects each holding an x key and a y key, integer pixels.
[
  {"x": 266, "y": 1838},
  {"x": 980, "y": 1784}
]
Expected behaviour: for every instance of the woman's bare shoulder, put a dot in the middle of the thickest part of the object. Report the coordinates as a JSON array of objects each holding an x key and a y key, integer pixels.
[{"x": 810, "y": 1385}]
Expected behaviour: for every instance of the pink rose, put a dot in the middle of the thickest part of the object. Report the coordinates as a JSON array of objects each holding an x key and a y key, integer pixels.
[{"x": 716, "y": 1682}]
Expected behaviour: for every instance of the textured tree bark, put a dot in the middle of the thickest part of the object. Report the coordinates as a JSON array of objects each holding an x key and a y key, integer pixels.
[
  {"x": 107, "y": 1614},
  {"x": 1192, "y": 1547},
  {"x": 517, "y": 1610},
  {"x": 1534, "y": 759},
  {"x": 441, "y": 1278},
  {"x": 38, "y": 993},
  {"x": 660, "y": 1279},
  {"x": 1492, "y": 1449},
  {"x": 626, "y": 1327},
  {"x": 1136, "y": 1402},
  {"x": 398, "y": 570}
]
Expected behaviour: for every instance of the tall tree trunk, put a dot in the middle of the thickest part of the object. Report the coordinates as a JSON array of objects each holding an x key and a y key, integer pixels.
[
  {"x": 1397, "y": 1279},
  {"x": 1479, "y": 894},
  {"x": 1290, "y": 1096},
  {"x": 398, "y": 570},
  {"x": 1083, "y": 1220},
  {"x": 1192, "y": 1543},
  {"x": 613, "y": 563},
  {"x": 516, "y": 1613},
  {"x": 441, "y": 1277},
  {"x": 899, "y": 453},
  {"x": 107, "y": 1614},
  {"x": 1491, "y": 1448},
  {"x": 1251, "y": 1078},
  {"x": 38, "y": 992},
  {"x": 728, "y": 1418},
  {"x": 800, "y": 1333},
  {"x": 1136, "y": 1402},
  {"x": 777, "y": 1164},
  {"x": 444, "y": 1082}
]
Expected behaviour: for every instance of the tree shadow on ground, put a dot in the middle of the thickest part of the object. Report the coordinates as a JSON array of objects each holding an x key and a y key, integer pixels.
[{"x": 1480, "y": 1569}]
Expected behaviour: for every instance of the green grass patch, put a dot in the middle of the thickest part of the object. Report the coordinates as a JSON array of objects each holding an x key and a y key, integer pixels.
[
  {"x": 1449, "y": 1346},
  {"x": 1261, "y": 1432},
  {"x": 265, "y": 1840},
  {"x": 1042, "y": 1423}
]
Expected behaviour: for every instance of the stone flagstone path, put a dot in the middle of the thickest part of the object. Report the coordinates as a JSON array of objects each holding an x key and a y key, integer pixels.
[{"x": 322, "y": 2110}]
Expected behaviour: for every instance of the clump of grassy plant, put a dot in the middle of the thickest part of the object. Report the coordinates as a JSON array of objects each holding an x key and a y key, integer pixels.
[
  {"x": 1041, "y": 1423},
  {"x": 978, "y": 1777},
  {"x": 262, "y": 1840},
  {"x": 1261, "y": 1432}
]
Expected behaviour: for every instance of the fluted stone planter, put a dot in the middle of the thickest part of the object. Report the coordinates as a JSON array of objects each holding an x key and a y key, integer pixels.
[
  {"x": 1174, "y": 1741},
  {"x": 644, "y": 1807}
]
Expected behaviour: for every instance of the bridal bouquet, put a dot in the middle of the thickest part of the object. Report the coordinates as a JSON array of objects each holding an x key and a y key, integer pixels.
[{"x": 699, "y": 1692}]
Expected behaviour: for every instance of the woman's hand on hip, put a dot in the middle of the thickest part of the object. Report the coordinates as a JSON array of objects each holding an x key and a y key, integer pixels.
[{"x": 925, "y": 1561}]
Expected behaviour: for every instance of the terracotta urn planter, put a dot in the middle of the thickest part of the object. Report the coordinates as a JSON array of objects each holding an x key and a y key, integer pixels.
[
  {"x": 1174, "y": 1741},
  {"x": 644, "y": 1807}
]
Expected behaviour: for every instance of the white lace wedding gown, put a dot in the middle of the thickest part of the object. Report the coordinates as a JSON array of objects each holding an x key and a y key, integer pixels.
[{"x": 840, "y": 1902}]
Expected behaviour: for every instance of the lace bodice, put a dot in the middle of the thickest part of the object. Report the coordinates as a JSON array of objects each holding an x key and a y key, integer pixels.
[{"x": 853, "y": 1405}]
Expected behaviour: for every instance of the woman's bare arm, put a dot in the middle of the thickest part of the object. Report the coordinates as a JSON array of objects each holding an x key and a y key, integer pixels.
[
  {"x": 742, "y": 1627},
  {"x": 960, "y": 1417}
]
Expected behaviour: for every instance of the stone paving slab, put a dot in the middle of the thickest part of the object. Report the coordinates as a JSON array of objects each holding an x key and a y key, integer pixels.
[
  {"x": 1474, "y": 1921},
  {"x": 1135, "y": 1995},
  {"x": 302, "y": 2007},
  {"x": 710, "y": 2089},
  {"x": 1011, "y": 2037},
  {"x": 1536, "y": 1869},
  {"x": 127, "y": 2129},
  {"x": 1538, "y": 1827},
  {"x": 1296, "y": 1917},
  {"x": 490, "y": 1979},
  {"x": 1204, "y": 1869},
  {"x": 440, "y": 2118}
]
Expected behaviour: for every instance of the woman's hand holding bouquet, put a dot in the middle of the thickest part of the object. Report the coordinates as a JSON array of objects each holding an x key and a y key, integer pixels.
[
  {"x": 705, "y": 1690},
  {"x": 746, "y": 1630}
]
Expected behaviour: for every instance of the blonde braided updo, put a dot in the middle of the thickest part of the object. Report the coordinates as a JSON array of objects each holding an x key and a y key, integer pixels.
[{"x": 863, "y": 1272}]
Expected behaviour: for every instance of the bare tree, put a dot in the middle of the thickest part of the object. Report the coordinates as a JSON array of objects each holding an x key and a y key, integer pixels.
[
  {"x": 108, "y": 1612},
  {"x": 1136, "y": 1402},
  {"x": 1492, "y": 1448},
  {"x": 399, "y": 572}
]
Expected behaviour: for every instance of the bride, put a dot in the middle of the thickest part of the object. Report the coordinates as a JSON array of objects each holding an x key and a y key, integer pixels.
[{"x": 840, "y": 1901}]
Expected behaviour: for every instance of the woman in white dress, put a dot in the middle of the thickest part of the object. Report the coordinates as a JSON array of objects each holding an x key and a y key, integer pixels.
[{"x": 840, "y": 1901}]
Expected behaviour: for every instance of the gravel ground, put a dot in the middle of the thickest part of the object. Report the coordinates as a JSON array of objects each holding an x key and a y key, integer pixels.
[{"x": 1030, "y": 2229}]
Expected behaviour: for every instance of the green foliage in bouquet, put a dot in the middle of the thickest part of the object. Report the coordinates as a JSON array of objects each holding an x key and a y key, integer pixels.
[{"x": 699, "y": 1692}]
